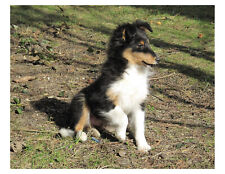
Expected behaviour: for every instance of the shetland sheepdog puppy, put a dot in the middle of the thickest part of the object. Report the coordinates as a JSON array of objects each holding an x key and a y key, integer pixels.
[{"x": 115, "y": 101}]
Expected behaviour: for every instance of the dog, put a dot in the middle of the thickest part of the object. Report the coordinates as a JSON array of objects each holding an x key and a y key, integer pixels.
[{"x": 115, "y": 101}]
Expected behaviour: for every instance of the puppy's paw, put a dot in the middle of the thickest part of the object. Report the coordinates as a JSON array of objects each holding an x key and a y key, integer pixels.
[
  {"x": 144, "y": 147},
  {"x": 94, "y": 132},
  {"x": 121, "y": 136},
  {"x": 81, "y": 136}
]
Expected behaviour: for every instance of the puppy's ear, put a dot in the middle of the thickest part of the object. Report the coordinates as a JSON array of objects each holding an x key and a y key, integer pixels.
[
  {"x": 124, "y": 34},
  {"x": 143, "y": 25},
  {"x": 128, "y": 32}
]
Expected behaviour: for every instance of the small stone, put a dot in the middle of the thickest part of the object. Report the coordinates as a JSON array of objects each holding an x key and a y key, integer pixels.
[
  {"x": 121, "y": 153},
  {"x": 161, "y": 156}
]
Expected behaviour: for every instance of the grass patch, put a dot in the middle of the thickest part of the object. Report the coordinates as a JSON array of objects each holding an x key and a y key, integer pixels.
[
  {"x": 183, "y": 38},
  {"x": 175, "y": 39}
]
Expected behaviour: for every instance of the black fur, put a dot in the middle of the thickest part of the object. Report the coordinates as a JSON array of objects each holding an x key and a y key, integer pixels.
[
  {"x": 125, "y": 36},
  {"x": 75, "y": 109}
]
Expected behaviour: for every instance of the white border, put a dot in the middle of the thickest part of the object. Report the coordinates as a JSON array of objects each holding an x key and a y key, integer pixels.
[
  {"x": 5, "y": 86},
  {"x": 220, "y": 86},
  {"x": 5, "y": 82},
  {"x": 116, "y": 171},
  {"x": 112, "y": 2}
]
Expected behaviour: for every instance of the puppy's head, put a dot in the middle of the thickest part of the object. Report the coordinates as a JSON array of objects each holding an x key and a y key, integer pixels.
[{"x": 134, "y": 42}]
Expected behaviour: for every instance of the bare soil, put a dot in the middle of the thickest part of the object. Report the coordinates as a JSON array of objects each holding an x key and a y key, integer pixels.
[{"x": 179, "y": 112}]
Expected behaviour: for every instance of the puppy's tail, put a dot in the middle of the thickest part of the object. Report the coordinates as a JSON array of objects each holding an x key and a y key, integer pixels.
[
  {"x": 66, "y": 132},
  {"x": 79, "y": 115}
]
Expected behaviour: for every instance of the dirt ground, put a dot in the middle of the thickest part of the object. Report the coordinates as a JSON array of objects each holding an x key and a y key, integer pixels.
[{"x": 47, "y": 71}]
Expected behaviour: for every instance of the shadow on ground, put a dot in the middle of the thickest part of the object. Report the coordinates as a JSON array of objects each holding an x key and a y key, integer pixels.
[
  {"x": 192, "y": 51},
  {"x": 21, "y": 15},
  {"x": 189, "y": 71},
  {"x": 181, "y": 123},
  {"x": 184, "y": 100},
  {"x": 55, "y": 109},
  {"x": 190, "y": 11}
]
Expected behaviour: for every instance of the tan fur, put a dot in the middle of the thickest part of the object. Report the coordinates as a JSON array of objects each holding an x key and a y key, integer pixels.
[
  {"x": 83, "y": 119},
  {"x": 123, "y": 36},
  {"x": 112, "y": 96},
  {"x": 141, "y": 42},
  {"x": 138, "y": 57}
]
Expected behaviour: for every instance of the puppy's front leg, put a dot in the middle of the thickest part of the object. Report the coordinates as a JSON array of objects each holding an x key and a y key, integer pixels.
[
  {"x": 118, "y": 121},
  {"x": 137, "y": 119}
]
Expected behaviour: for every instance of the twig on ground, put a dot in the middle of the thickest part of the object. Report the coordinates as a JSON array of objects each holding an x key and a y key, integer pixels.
[
  {"x": 156, "y": 78},
  {"x": 32, "y": 130},
  {"x": 156, "y": 154},
  {"x": 103, "y": 167},
  {"x": 158, "y": 98}
]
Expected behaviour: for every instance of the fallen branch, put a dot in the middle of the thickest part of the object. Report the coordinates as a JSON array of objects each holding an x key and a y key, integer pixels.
[
  {"x": 32, "y": 130},
  {"x": 157, "y": 78}
]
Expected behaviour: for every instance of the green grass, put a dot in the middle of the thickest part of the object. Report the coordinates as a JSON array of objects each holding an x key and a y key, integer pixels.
[{"x": 175, "y": 40}]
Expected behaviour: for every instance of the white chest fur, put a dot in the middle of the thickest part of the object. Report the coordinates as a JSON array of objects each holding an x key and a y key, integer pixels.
[{"x": 132, "y": 89}]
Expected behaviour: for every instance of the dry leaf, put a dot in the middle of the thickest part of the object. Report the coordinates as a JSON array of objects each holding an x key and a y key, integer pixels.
[
  {"x": 24, "y": 79},
  {"x": 17, "y": 146},
  {"x": 200, "y": 35},
  {"x": 158, "y": 23},
  {"x": 90, "y": 81}
]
